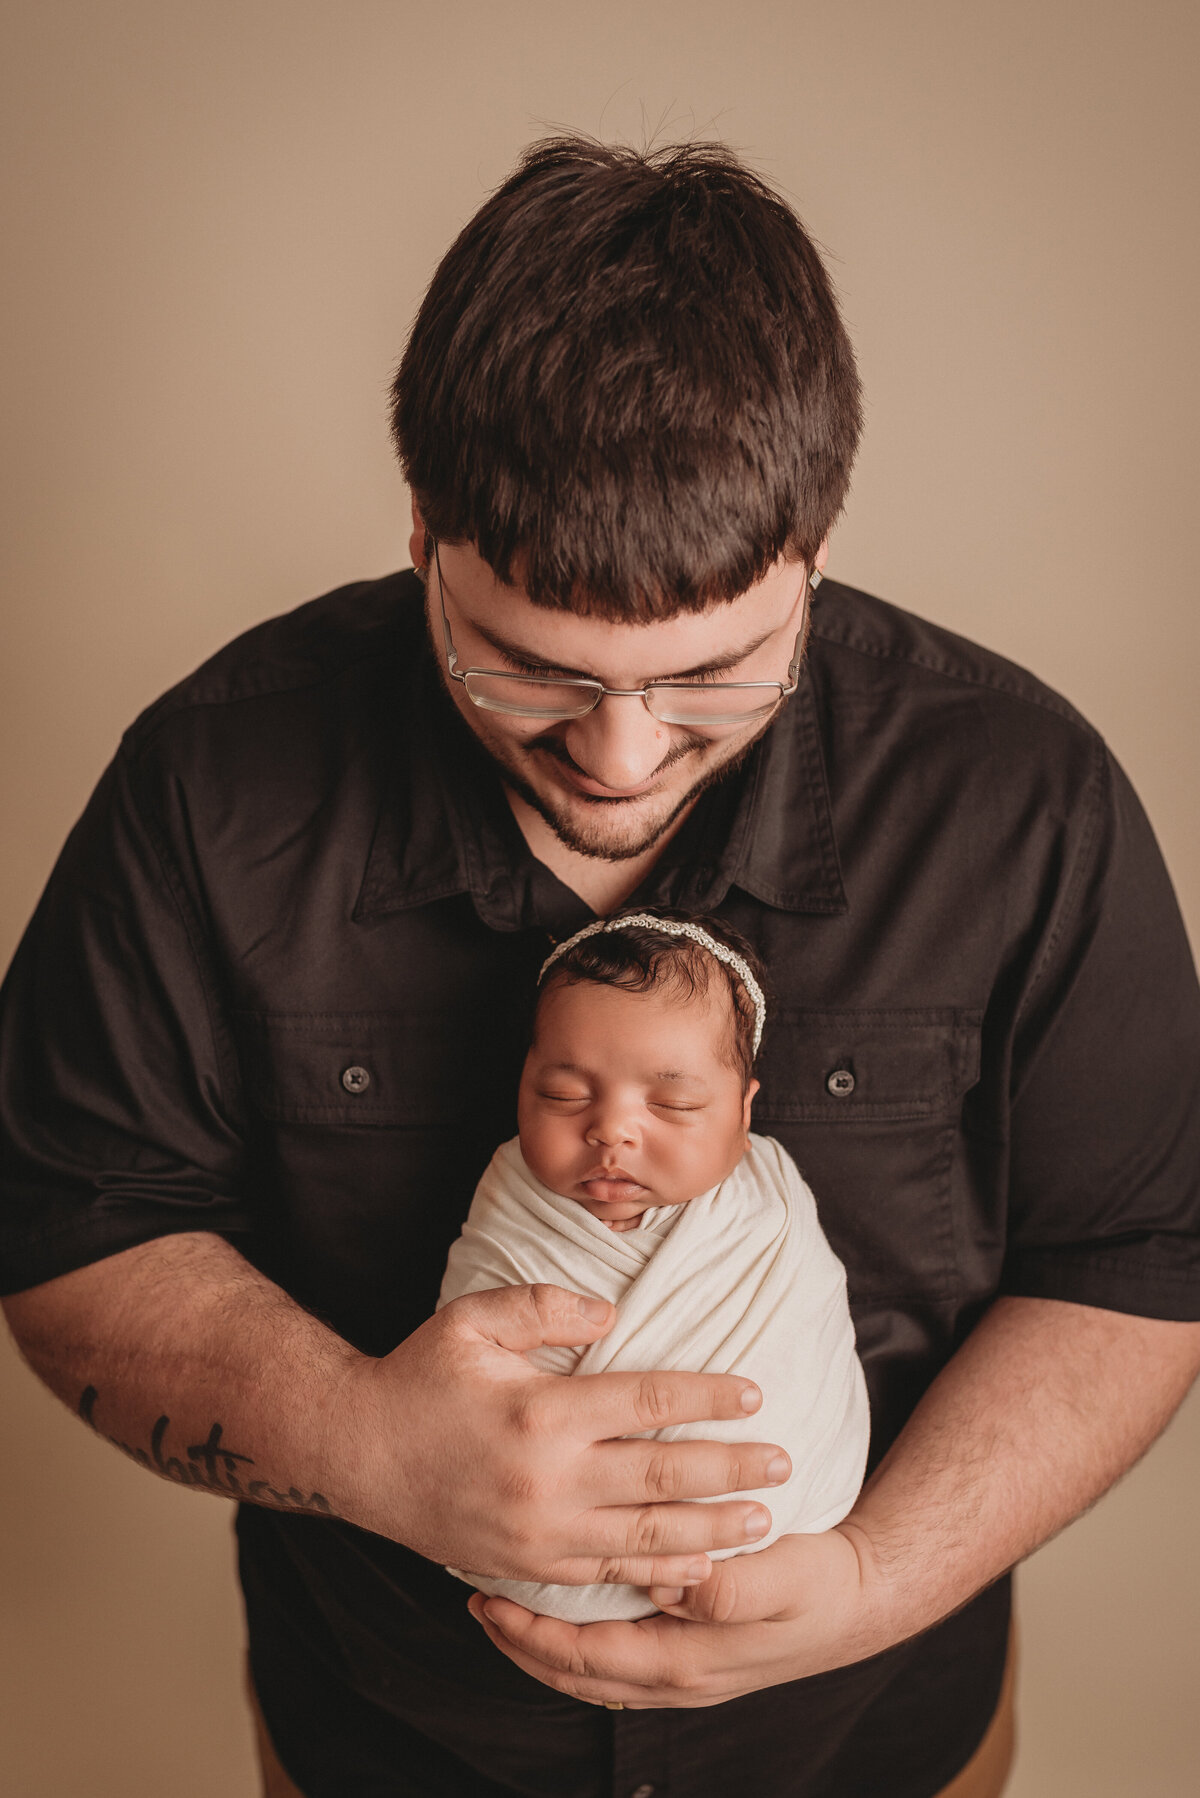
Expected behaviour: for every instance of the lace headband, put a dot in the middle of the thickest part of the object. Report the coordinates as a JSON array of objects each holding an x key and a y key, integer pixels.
[{"x": 669, "y": 927}]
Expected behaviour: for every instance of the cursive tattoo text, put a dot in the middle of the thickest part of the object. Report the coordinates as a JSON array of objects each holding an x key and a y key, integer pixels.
[{"x": 210, "y": 1466}]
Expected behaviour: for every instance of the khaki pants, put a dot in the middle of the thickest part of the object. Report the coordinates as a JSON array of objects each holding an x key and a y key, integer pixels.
[{"x": 984, "y": 1776}]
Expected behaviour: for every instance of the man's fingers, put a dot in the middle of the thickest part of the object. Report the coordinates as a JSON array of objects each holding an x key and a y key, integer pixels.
[
  {"x": 656, "y": 1530},
  {"x": 581, "y": 1659},
  {"x": 597, "y": 1406},
  {"x": 658, "y": 1472},
  {"x": 681, "y": 1572},
  {"x": 526, "y": 1317}
]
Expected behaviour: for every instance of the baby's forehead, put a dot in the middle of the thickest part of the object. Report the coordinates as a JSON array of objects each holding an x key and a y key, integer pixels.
[{"x": 706, "y": 1012}]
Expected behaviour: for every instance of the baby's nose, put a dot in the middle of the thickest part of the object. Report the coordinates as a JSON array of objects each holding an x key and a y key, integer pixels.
[{"x": 607, "y": 1133}]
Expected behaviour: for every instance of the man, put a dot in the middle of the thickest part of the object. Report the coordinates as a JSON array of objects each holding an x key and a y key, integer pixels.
[{"x": 265, "y": 1028}]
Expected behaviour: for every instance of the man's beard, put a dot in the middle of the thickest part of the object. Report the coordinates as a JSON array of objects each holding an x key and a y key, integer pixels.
[{"x": 599, "y": 842}]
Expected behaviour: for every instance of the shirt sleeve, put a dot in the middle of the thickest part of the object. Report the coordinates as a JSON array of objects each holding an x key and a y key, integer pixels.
[
  {"x": 117, "y": 1075},
  {"x": 1105, "y": 1146}
]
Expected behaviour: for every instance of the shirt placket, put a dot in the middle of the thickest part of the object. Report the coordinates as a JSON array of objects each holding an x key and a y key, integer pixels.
[{"x": 641, "y": 1759}]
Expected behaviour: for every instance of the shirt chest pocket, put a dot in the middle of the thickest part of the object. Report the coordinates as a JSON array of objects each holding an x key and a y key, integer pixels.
[
  {"x": 869, "y": 1105},
  {"x": 369, "y": 1133}
]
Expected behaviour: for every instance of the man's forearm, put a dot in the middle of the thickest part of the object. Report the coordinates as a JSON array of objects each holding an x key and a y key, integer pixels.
[
  {"x": 196, "y": 1366},
  {"x": 1036, "y": 1416}
]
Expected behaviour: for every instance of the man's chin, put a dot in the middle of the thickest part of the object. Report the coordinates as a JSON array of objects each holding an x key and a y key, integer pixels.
[
  {"x": 606, "y": 829},
  {"x": 611, "y": 830}
]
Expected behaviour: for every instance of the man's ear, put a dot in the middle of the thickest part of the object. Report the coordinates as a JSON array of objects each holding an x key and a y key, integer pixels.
[
  {"x": 418, "y": 542},
  {"x": 749, "y": 1100},
  {"x": 821, "y": 557}
]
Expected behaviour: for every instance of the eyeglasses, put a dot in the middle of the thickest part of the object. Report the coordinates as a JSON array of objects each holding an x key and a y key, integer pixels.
[{"x": 704, "y": 705}]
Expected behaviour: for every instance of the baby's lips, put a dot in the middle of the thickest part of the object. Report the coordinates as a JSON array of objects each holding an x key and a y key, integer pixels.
[{"x": 611, "y": 1186}]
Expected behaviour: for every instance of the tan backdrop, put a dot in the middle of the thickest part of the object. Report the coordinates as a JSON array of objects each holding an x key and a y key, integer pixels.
[{"x": 223, "y": 217}]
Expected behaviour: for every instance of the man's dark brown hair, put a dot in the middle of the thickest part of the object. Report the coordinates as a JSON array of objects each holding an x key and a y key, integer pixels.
[
  {"x": 640, "y": 959},
  {"x": 628, "y": 386}
]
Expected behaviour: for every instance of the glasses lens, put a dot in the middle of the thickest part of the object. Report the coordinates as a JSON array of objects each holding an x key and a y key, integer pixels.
[
  {"x": 521, "y": 698},
  {"x": 720, "y": 703}
]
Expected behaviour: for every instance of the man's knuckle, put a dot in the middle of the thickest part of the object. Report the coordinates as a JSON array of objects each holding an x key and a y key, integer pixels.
[
  {"x": 526, "y": 1416},
  {"x": 544, "y": 1299},
  {"x": 736, "y": 1471},
  {"x": 654, "y": 1400},
  {"x": 663, "y": 1475},
  {"x": 646, "y": 1532},
  {"x": 577, "y": 1666},
  {"x": 721, "y": 1602},
  {"x": 519, "y": 1490}
]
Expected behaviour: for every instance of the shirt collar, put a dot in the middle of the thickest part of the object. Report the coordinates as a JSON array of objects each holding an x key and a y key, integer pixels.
[{"x": 444, "y": 827}]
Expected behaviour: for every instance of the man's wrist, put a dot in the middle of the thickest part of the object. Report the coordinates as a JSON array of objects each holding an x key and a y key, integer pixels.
[
  {"x": 879, "y": 1609},
  {"x": 349, "y": 1439}
]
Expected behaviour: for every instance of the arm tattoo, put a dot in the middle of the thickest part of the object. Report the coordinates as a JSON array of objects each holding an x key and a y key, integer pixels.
[{"x": 209, "y": 1466}]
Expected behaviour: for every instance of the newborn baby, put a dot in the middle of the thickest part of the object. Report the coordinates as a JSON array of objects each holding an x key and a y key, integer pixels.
[{"x": 635, "y": 1179}]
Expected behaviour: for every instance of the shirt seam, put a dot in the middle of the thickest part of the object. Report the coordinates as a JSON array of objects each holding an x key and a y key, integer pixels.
[
  {"x": 174, "y": 883},
  {"x": 1052, "y": 704},
  {"x": 144, "y": 732},
  {"x": 1075, "y": 884},
  {"x": 1104, "y": 1262}
]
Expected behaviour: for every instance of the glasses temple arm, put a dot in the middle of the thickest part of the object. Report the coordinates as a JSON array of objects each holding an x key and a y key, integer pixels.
[{"x": 451, "y": 652}]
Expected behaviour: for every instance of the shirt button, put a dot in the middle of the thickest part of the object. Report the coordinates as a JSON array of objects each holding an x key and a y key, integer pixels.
[
  {"x": 840, "y": 1083},
  {"x": 356, "y": 1080}
]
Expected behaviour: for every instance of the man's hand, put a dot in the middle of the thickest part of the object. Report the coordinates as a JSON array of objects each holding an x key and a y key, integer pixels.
[
  {"x": 1041, "y": 1409},
  {"x": 801, "y": 1606},
  {"x": 457, "y": 1446}
]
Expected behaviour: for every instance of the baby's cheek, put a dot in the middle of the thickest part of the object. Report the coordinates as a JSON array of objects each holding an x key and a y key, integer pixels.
[{"x": 543, "y": 1148}]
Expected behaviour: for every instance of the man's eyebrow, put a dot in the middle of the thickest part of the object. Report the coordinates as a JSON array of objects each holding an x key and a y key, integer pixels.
[{"x": 515, "y": 652}]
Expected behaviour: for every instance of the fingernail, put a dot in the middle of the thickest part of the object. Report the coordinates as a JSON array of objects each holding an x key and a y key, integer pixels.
[
  {"x": 778, "y": 1469},
  {"x": 756, "y": 1526},
  {"x": 595, "y": 1310},
  {"x": 751, "y": 1398},
  {"x": 664, "y": 1595},
  {"x": 698, "y": 1570}
]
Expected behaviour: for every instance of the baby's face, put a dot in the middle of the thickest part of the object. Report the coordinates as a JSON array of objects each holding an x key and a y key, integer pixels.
[{"x": 627, "y": 1099}]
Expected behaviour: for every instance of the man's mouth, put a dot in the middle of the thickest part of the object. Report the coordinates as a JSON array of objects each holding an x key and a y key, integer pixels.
[
  {"x": 594, "y": 789},
  {"x": 575, "y": 777}
]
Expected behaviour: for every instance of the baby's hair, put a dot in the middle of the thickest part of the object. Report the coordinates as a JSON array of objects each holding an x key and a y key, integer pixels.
[{"x": 639, "y": 959}]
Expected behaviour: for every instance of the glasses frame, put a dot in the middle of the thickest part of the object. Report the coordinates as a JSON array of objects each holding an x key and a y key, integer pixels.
[{"x": 599, "y": 691}]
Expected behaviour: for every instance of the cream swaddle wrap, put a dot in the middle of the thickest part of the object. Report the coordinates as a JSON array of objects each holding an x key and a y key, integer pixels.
[{"x": 740, "y": 1280}]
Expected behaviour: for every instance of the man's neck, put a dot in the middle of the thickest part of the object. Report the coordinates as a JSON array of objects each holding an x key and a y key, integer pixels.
[{"x": 604, "y": 886}]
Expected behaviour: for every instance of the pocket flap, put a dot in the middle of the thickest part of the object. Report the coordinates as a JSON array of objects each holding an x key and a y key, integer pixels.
[
  {"x": 835, "y": 1067},
  {"x": 382, "y": 1068}
]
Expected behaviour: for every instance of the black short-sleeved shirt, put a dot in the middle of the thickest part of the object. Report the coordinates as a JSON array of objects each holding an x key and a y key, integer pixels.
[{"x": 984, "y": 1056}]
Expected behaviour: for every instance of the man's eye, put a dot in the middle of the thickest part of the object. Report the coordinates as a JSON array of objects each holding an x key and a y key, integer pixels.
[
  {"x": 564, "y": 1098},
  {"x": 673, "y": 1105}
]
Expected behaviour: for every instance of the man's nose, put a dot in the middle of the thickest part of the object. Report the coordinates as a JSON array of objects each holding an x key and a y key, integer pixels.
[{"x": 618, "y": 744}]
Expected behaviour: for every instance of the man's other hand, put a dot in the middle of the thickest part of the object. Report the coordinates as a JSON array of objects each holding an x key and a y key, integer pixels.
[{"x": 800, "y": 1607}]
